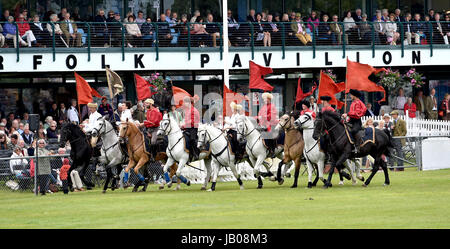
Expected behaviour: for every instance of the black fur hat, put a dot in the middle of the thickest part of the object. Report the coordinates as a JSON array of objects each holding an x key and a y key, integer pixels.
[
  {"x": 306, "y": 102},
  {"x": 355, "y": 93},
  {"x": 325, "y": 98}
]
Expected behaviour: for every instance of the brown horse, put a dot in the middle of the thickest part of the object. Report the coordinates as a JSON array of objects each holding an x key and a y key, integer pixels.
[
  {"x": 138, "y": 156},
  {"x": 293, "y": 148}
]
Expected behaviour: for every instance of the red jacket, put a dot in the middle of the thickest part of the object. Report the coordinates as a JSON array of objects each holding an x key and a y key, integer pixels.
[
  {"x": 191, "y": 118},
  {"x": 268, "y": 116},
  {"x": 411, "y": 110},
  {"x": 357, "y": 109},
  {"x": 313, "y": 114},
  {"x": 23, "y": 27},
  {"x": 328, "y": 108},
  {"x": 154, "y": 116}
]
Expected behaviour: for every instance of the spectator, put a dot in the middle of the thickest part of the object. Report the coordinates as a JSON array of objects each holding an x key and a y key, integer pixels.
[
  {"x": 44, "y": 169},
  {"x": 444, "y": 110},
  {"x": 438, "y": 32},
  {"x": 261, "y": 32},
  {"x": 134, "y": 35},
  {"x": 5, "y": 16},
  {"x": 431, "y": 12},
  {"x": 446, "y": 29},
  {"x": 13, "y": 142},
  {"x": 2, "y": 38},
  {"x": 70, "y": 31},
  {"x": 298, "y": 27},
  {"x": 408, "y": 29},
  {"x": 9, "y": 31},
  {"x": 54, "y": 28},
  {"x": 48, "y": 122},
  {"x": 41, "y": 134},
  {"x": 164, "y": 34},
  {"x": 398, "y": 17},
  {"x": 418, "y": 28},
  {"x": 324, "y": 29},
  {"x": 251, "y": 16},
  {"x": 357, "y": 16},
  {"x": 233, "y": 29},
  {"x": 61, "y": 114},
  {"x": 25, "y": 119},
  {"x": 53, "y": 112},
  {"x": 313, "y": 19},
  {"x": 140, "y": 18},
  {"x": 20, "y": 130},
  {"x": 420, "y": 101},
  {"x": 18, "y": 166},
  {"x": 388, "y": 125},
  {"x": 275, "y": 33},
  {"x": 40, "y": 33},
  {"x": 63, "y": 173},
  {"x": 349, "y": 27},
  {"x": 3, "y": 141},
  {"x": 369, "y": 111},
  {"x": 385, "y": 15},
  {"x": 147, "y": 34},
  {"x": 398, "y": 129},
  {"x": 105, "y": 108},
  {"x": 292, "y": 16},
  {"x": 336, "y": 36},
  {"x": 110, "y": 17},
  {"x": 212, "y": 29},
  {"x": 115, "y": 29},
  {"x": 410, "y": 107},
  {"x": 182, "y": 27},
  {"x": 431, "y": 106},
  {"x": 24, "y": 30},
  {"x": 62, "y": 15},
  {"x": 72, "y": 113},
  {"x": 101, "y": 28},
  {"x": 364, "y": 30},
  {"x": 399, "y": 101},
  {"x": 174, "y": 19},
  {"x": 51, "y": 131},
  {"x": 199, "y": 34},
  {"x": 391, "y": 30},
  {"x": 27, "y": 135},
  {"x": 380, "y": 29}
]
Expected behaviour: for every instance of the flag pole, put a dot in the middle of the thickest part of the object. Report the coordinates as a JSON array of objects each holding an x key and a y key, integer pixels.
[{"x": 345, "y": 92}]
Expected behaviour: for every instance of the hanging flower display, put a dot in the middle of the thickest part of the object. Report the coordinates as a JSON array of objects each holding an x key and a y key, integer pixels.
[
  {"x": 157, "y": 80},
  {"x": 330, "y": 73},
  {"x": 391, "y": 79},
  {"x": 414, "y": 78}
]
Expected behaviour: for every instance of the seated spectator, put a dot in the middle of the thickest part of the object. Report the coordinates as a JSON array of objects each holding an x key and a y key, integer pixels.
[
  {"x": 70, "y": 31},
  {"x": 41, "y": 134},
  {"x": 380, "y": 30},
  {"x": 51, "y": 131},
  {"x": 182, "y": 29},
  {"x": 234, "y": 34},
  {"x": 147, "y": 32},
  {"x": 110, "y": 17},
  {"x": 3, "y": 141},
  {"x": 299, "y": 29},
  {"x": 164, "y": 35},
  {"x": 195, "y": 16},
  {"x": 438, "y": 32},
  {"x": 212, "y": 29},
  {"x": 134, "y": 35},
  {"x": 349, "y": 27},
  {"x": 115, "y": 29},
  {"x": 27, "y": 135},
  {"x": 48, "y": 122},
  {"x": 2, "y": 38},
  {"x": 251, "y": 16},
  {"x": 18, "y": 165},
  {"x": 261, "y": 32},
  {"x": 9, "y": 31},
  {"x": 391, "y": 30},
  {"x": 365, "y": 31},
  {"x": 446, "y": 29},
  {"x": 324, "y": 31},
  {"x": 336, "y": 30},
  {"x": 13, "y": 141},
  {"x": 140, "y": 18},
  {"x": 198, "y": 33},
  {"x": 273, "y": 29},
  {"x": 24, "y": 30},
  {"x": 315, "y": 20},
  {"x": 418, "y": 28},
  {"x": 40, "y": 33},
  {"x": 407, "y": 27},
  {"x": 54, "y": 28},
  {"x": 100, "y": 29}
]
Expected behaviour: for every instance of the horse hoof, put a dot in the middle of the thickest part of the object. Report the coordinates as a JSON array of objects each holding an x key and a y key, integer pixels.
[
  {"x": 294, "y": 186},
  {"x": 341, "y": 183},
  {"x": 325, "y": 186},
  {"x": 188, "y": 183},
  {"x": 386, "y": 184},
  {"x": 161, "y": 187},
  {"x": 260, "y": 186},
  {"x": 354, "y": 183},
  {"x": 309, "y": 185},
  {"x": 203, "y": 188},
  {"x": 280, "y": 182},
  {"x": 134, "y": 190},
  {"x": 209, "y": 190},
  {"x": 104, "y": 192},
  {"x": 364, "y": 185},
  {"x": 361, "y": 179},
  {"x": 169, "y": 184},
  {"x": 242, "y": 187},
  {"x": 273, "y": 178}
]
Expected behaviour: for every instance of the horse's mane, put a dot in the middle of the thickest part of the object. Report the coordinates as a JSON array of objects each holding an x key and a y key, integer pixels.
[
  {"x": 333, "y": 115},
  {"x": 73, "y": 127}
]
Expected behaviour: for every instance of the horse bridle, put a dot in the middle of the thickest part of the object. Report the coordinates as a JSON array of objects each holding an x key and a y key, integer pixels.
[
  {"x": 211, "y": 141},
  {"x": 106, "y": 132},
  {"x": 322, "y": 132}
]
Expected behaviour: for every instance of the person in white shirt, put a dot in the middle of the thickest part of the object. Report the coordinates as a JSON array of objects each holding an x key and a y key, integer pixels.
[
  {"x": 93, "y": 117},
  {"x": 125, "y": 113},
  {"x": 400, "y": 101},
  {"x": 230, "y": 125},
  {"x": 72, "y": 113},
  {"x": 18, "y": 165}
]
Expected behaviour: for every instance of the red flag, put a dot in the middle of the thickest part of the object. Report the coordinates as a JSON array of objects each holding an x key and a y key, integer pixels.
[
  {"x": 300, "y": 95},
  {"x": 256, "y": 77},
  {"x": 84, "y": 91},
  {"x": 358, "y": 78},
  {"x": 95, "y": 93},
  {"x": 143, "y": 88},
  {"x": 327, "y": 87},
  {"x": 228, "y": 97},
  {"x": 178, "y": 95}
]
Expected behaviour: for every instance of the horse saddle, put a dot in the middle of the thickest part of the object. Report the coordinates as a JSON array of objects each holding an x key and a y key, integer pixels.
[{"x": 369, "y": 136}]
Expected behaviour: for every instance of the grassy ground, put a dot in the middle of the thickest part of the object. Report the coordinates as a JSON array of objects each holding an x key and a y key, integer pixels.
[{"x": 413, "y": 200}]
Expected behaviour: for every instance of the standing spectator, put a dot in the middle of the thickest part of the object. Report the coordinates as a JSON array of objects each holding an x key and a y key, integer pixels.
[
  {"x": 61, "y": 114},
  {"x": 420, "y": 101},
  {"x": 44, "y": 169},
  {"x": 337, "y": 31},
  {"x": 400, "y": 101},
  {"x": 51, "y": 131},
  {"x": 72, "y": 113},
  {"x": 369, "y": 111},
  {"x": 9, "y": 31},
  {"x": 391, "y": 30},
  {"x": 431, "y": 106},
  {"x": 27, "y": 135},
  {"x": 300, "y": 30},
  {"x": 63, "y": 173},
  {"x": 411, "y": 108},
  {"x": 387, "y": 123},
  {"x": 70, "y": 31},
  {"x": 398, "y": 129},
  {"x": 444, "y": 110}
]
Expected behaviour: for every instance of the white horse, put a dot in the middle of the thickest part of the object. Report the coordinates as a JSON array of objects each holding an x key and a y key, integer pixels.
[
  {"x": 111, "y": 154},
  {"x": 314, "y": 155},
  {"x": 176, "y": 147},
  {"x": 254, "y": 147},
  {"x": 220, "y": 152}
]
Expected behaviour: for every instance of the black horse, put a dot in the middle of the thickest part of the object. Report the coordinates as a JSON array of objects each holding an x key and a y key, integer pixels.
[
  {"x": 340, "y": 147},
  {"x": 80, "y": 152}
]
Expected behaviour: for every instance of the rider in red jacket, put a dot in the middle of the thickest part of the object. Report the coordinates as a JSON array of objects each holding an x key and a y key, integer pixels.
[
  {"x": 154, "y": 116},
  {"x": 357, "y": 110}
]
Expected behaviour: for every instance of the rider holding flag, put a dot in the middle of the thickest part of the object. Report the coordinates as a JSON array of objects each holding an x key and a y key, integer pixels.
[
  {"x": 267, "y": 117},
  {"x": 190, "y": 124},
  {"x": 326, "y": 104},
  {"x": 357, "y": 110},
  {"x": 154, "y": 116}
]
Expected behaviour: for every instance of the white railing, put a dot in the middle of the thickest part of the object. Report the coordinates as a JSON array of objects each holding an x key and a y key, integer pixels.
[{"x": 419, "y": 127}]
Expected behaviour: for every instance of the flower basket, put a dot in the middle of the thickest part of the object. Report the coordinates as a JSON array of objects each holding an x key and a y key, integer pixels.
[
  {"x": 157, "y": 80},
  {"x": 391, "y": 79},
  {"x": 414, "y": 78}
]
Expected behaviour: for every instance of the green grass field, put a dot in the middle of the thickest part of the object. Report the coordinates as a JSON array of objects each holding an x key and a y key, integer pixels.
[{"x": 413, "y": 200}]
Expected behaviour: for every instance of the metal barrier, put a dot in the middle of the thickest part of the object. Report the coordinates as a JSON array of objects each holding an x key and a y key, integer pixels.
[{"x": 157, "y": 35}]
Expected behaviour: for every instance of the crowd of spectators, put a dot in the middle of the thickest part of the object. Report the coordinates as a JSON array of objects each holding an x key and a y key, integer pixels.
[{"x": 106, "y": 29}]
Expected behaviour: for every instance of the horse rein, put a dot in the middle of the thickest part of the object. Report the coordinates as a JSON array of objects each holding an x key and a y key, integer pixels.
[{"x": 211, "y": 141}]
